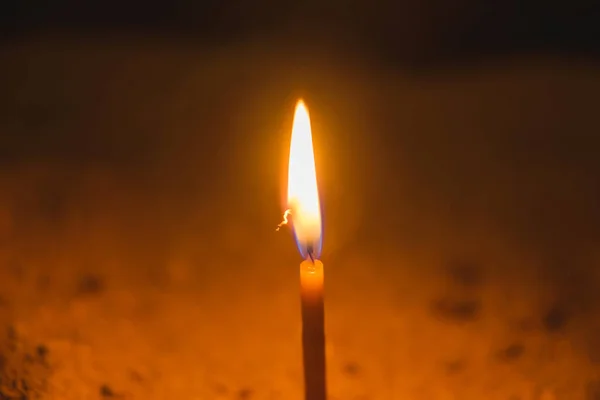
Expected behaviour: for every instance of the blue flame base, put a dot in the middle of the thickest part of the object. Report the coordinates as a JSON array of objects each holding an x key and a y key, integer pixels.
[{"x": 310, "y": 249}]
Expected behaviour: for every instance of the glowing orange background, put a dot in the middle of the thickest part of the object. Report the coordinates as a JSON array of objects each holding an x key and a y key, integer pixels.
[{"x": 137, "y": 228}]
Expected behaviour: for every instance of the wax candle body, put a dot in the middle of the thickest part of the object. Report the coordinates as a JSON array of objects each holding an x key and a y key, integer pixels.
[{"x": 313, "y": 329}]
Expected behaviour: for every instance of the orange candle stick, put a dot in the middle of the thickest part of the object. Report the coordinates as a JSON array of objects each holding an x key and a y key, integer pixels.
[{"x": 313, "y": 329}]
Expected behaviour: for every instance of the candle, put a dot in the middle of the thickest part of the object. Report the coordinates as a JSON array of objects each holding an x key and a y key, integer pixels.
[
  {"x": 313, "y": 330},
  {"x": 304, "y": 207}
]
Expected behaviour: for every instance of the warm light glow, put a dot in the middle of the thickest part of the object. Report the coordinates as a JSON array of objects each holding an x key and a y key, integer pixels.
[{"x": 303, "y": 193}]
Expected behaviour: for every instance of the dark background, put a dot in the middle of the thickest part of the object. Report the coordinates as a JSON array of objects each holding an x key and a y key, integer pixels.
[{"x": 402, "y": 31}]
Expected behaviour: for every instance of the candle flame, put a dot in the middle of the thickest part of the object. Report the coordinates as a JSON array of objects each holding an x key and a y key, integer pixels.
[{"x": 303, "y": 193}]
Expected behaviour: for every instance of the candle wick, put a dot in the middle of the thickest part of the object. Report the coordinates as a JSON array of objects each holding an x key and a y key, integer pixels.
[{"x": 309, "y": 250}]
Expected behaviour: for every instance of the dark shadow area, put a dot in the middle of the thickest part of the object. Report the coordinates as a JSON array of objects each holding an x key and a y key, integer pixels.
[{"x": 423, "y": 34}]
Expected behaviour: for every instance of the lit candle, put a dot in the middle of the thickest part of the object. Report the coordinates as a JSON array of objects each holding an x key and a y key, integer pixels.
[{"x": 304, "y": 207}]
